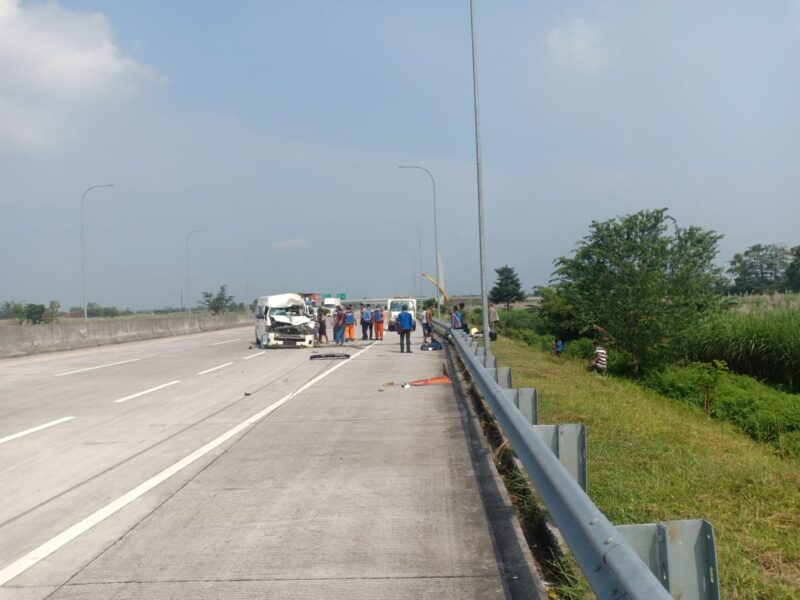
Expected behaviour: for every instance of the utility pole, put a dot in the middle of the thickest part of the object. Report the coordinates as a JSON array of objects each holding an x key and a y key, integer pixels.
[{"x": 479, "y": 169}]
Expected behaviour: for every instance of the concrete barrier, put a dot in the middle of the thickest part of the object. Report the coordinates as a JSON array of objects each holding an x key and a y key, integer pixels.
[{"x": 19, "y": 340}]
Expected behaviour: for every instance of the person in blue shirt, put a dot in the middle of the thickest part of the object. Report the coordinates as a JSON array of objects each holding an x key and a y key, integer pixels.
[{"x": 405, "y": 323}]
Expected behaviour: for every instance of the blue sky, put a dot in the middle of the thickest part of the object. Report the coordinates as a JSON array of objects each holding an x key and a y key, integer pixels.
[{"x": 278, "y": 128}]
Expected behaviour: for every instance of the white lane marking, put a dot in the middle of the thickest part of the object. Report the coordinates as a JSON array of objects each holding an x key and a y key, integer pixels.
[
  {"x": 214, "y": 368},
  {"x": 122, "y": 362},
  {"x": 152, "y": 389},
  {"x": 26, "y": 562},
  {"x": 14, "y": 436},
  {"x": 256, "y": 354},
  {"x": 226, "y": 342}
]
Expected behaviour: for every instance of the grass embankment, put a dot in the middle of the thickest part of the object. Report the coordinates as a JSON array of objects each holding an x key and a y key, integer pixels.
[{"x": 652, "y": 459}]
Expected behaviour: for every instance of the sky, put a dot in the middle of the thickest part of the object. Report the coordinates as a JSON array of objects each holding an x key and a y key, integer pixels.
[{"x": 277, "y": 129}]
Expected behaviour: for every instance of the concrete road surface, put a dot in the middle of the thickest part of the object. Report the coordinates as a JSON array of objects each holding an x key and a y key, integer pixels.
[{"x": 196, "y": 467}]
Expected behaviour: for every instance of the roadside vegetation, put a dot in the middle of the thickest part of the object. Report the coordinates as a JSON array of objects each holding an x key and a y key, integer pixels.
[
  {"x": 652, "y": 458},
  {"x": 700, "y": 415},
  {"x": 31, "y": 313}
]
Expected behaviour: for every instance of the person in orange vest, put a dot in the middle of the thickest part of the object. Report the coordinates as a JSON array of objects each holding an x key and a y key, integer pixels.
[
  {"x": 350, "y": 324},
  {"x": 377, "y": 320}
]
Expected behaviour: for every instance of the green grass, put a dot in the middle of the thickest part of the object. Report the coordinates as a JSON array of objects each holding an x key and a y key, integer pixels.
[{"x": 653, "y": 459}]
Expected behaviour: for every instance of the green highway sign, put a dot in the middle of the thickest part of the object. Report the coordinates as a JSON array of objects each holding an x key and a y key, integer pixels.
[{"x": 341, "y": 296}]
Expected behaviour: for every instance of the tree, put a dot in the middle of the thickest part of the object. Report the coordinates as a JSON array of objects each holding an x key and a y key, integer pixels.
[
  {"x": 507, "y": 288},
  {"x": 13, "y": 309},
  {"x": 642, "y": 282},
  {"x": 557, "y": 315},
  {"x": 793, "y": 271},
  {"x": 761, "y": 269},
  {"x": 221, "y": 302},
  {"x": 52, "y": 312},
  {"x": 35, "y": 313}
]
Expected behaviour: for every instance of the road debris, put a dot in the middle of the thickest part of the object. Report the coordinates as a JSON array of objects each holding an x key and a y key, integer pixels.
[
  {"x": 329, "y": 356},
  {"x": 432, "y": 381}
]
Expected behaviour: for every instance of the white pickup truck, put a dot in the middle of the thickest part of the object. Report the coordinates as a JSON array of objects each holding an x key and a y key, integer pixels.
[{"x": 282, "y": 321}]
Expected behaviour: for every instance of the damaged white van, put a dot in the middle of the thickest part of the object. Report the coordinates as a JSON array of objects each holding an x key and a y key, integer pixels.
[{"x": 282, "y": 320}]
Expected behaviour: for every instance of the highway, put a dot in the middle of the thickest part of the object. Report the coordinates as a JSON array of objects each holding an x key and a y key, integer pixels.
[{"x": 199, "y": 467}]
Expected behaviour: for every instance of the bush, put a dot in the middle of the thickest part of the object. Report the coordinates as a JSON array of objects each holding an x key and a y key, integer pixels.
[
  {"x": 514, "y": 321},
  {"x": 581, "y": 349},
  {"x": 540, "y": 342},
  {"x": 765, "y": 414}
]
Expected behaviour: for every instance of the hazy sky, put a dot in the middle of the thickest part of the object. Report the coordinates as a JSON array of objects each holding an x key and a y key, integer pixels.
[{"x": 278, "y": 128}]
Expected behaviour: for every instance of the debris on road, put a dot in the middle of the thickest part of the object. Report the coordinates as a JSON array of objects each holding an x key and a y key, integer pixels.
[
  {"x": 329, "y": 356},
  {"x": 432, "y": 381}
]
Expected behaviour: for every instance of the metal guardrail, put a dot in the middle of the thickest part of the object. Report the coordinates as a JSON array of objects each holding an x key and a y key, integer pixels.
[{"x": 675, "y": 559}]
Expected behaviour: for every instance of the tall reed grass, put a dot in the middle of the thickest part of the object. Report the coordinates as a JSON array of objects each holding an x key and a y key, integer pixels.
[{"x": 761, "y": 343}]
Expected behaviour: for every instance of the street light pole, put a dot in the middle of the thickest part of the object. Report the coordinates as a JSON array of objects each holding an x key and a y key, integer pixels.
[
  {"x": 413, "y": 270},
  {"x": 419, "y": 239},
  {"x": 435, "y": 236},
  {"x": 479, "y": 169},
  {"x": 188, "y": 293},
  {"x": 83, "y": 249}
]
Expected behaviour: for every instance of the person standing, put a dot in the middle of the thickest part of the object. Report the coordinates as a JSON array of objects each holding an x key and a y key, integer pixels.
[
  {"x": 377, "y": 319},
  {"x": 405, "y": 323},
  {"x": 463, "y": 312},
  {"x": 366, "y": 322},
  {"x": 322, "y": 330},
  {"x": 338, "y": 326},
  {"x": 423, "y": 318},
  {"x": 455, "y": 318},
  {"x": 558, "y": 346},
  {"x": 494, "y": 319},
  {"x": 350, "y": 324}
]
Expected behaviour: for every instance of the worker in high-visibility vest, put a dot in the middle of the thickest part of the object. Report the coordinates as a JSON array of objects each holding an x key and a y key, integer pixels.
[
  {"x": 377, "y": 320},
  {"x": 366, "y": 322},
  {"x": 349, "y": 324}
]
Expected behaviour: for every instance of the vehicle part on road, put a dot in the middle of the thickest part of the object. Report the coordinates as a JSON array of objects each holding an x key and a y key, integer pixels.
[{"x": 329, "y": 356}]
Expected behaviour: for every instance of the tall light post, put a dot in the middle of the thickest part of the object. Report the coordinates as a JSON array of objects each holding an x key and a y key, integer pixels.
[
  {"x": 435, "y": 236},
  {"x": 83, "y": 249},
  {"x": 479, "y": 170},
  {"x": 247, "y": 277},
  {"x": 188, "y": 293},
  {"x": 419, "y": 240},
  {"x": 413, "y": 271}
]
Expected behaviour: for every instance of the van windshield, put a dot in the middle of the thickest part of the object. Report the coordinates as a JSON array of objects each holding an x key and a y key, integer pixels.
[{"x": 397, "y": 305}]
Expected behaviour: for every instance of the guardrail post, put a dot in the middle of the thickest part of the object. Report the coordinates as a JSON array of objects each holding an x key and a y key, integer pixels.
[
  {"x": 681, "y": 554},
  {"x": 568, "y": 443},
  {"x": 526, "y": 400},
  {"x": 503, "y": 376}
]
